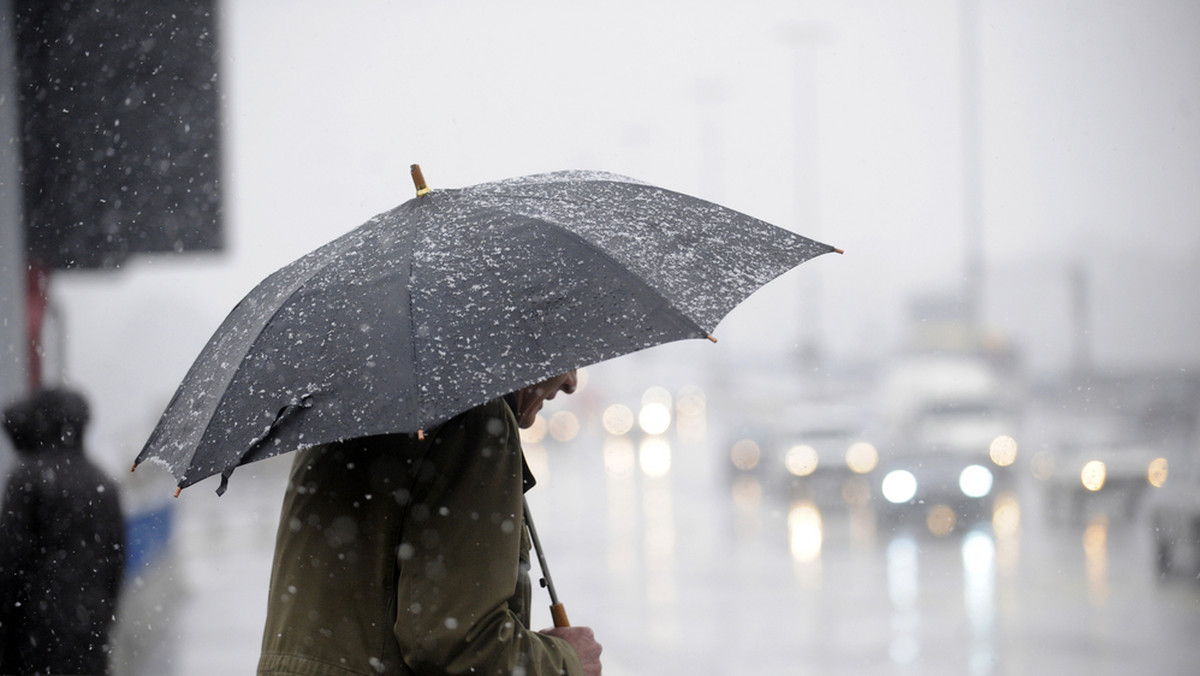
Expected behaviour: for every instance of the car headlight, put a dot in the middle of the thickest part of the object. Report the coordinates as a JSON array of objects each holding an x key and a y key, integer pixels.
[
  {"x": 801, "y": 460},
  {"x": 861, "y": 457},
  {"x": 1003, "y": 450},
  {"x": 1093, "y": 475},
  {"x": 745, "y": 455},
  {"x": 899, "y": 486},
  {"x": 1156, "y": 472},
  {"x": 975, "y": 481}
]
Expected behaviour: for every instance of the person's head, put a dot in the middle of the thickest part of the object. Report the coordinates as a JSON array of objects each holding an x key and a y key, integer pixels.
[
  {"x": 47, "y": 418},
  {"x": 527, "y": 401}
]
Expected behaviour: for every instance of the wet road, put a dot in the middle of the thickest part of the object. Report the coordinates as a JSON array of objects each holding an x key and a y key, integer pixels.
[
  {"x": 682, "y": 572},
  {"x": 688, "y": 573}
]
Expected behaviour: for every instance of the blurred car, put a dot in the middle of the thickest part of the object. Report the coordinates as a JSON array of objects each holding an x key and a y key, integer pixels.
[
  {"x": 823, "y": 453},
  {"x": 947, "y": 464},
  {"x": 1175, "y": 528},
  {"x": 978, "y": 431},
  {"x": 1108, "y": 475},
  {"x": 1173, "y": 508},
  {"x": 938, "y": 491},
  {"x": 814, "y": 451}
]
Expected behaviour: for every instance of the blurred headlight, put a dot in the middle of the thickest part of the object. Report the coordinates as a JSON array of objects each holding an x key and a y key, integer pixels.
[
  {"x": 745, "y": 455},
  {"x": 535, "y": 433},
  {"x": 801, "y": 460},
  {"x": 861, "y": 457},
  {"x": 1156, "y": 474},
  {"x": 617, "y": 419},
  {"x": 899, "y": 486},
  {"x": 1003, "y": 450},
  {"x": 975, "y": 481},
  {"x": 1093, "y": 475},
  {"x": 564, "y": 426}
]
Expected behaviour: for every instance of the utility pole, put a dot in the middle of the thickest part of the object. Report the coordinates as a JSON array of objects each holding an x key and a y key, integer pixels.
[
  {"x": 972, "y": 188},
  {"x": 12, "y": 242},
  {"x": 804, "y": 39},
  {"x": 13, "y": 338}
]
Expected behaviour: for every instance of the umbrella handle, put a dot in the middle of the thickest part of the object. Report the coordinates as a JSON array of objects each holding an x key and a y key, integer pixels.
[{"x": 559, "y": 613}]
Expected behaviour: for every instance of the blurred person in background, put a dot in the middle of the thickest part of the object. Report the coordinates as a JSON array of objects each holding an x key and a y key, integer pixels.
[
  {"x": 407, "y": 554},
  {"x": 62, "y": 543}
]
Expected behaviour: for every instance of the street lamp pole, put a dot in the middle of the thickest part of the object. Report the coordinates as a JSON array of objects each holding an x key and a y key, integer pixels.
[{"x": 972, "y": 191}]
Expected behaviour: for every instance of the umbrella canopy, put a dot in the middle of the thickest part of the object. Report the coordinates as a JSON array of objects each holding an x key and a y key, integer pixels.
[{"x": 457, "y": 297}]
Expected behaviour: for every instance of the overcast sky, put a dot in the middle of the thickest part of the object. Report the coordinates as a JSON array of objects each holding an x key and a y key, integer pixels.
[{"x": 841, "y": 120}]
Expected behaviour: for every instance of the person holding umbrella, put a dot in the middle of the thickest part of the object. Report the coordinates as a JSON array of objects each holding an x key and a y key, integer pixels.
[
  {"x": 400, "y": 359},
  {"x": 406, "y": 555}
]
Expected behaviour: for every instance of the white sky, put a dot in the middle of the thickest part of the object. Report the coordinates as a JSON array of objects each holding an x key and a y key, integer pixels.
[{"x": 837, "y": 119}]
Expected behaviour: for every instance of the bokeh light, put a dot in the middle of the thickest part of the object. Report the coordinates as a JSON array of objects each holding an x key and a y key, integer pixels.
[
  {"x": 564, "y": 426},
  {"x": 801, "y": 460},
  {"x": 1003, "y": 450},
  {"x": 657, "y": 395},
  {"x": 1093, "y": 475},
  {"x": 617, "y": 419},
  {"x": 975, "y": 481},
  {"x": 861, "y": 457},
  {"x": 805, "y": 532},
  {"x": 941, "y": 520},
  {"x": 1006, "y": 516},
  {"x": 1095, "y": 549},
  {"x": 619, "y": 456},
  {"x": 535, "y": 433},
  {"x": 745, "y": 454},
  {"x": 654, "y": 418},
  {"x": 691, "y": 411},
  {"x": 654, "y": 456},
  {"x": 899, "y": 486},
  {"x": 747, "y": 493},
  {"x": 1156, "y": 474}
]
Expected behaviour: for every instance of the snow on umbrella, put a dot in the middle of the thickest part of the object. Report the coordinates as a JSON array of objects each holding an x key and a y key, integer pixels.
[{"x": 455, "y": 298}]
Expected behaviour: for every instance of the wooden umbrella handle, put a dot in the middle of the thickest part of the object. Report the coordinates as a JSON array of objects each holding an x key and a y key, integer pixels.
[
  {"x": 419, "y": 180},
  {"x": 559, "y": 613}
]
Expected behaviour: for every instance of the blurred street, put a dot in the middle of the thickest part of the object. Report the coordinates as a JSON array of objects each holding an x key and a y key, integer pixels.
[{"x": 681, "y": 569}]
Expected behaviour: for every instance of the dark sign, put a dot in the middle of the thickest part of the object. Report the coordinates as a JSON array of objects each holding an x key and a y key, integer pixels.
[{"x": 120, "y": 112}]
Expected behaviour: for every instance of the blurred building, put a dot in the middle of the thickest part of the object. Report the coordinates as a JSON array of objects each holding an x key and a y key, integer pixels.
[
  {"x": 112, "y": 148},
  {"x": 110, "y": 128}
]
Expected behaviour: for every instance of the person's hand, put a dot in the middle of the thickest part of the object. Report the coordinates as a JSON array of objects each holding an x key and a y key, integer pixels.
[{"x": 584, "y": 643}]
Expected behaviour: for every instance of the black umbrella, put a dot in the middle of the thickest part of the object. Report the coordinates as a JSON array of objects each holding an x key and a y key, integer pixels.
[{"x": 455, "y": 298}]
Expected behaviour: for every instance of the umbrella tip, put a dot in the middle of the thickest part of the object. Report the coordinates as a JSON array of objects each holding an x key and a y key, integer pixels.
[
  {"x": 419, "y": 180},
  {"x": 134, "y": 468},
  {"x": 178, "y": 490},
  {"x": 838, "y": 251},
  {"x": 710, "y": 337},
  {"x": 421, "y": 435}
]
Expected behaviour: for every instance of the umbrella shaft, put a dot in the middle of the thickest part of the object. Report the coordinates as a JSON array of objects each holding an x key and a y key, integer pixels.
[{"x": 537, "y": 547}]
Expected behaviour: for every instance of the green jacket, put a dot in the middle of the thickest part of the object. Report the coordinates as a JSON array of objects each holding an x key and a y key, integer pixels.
[{"x": 403, "y": 556}]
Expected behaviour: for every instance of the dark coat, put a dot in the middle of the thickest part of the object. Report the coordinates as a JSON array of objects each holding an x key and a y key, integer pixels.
[
  {"x": 404, "y": 556},
  {"x": 62, "y": 548}
]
